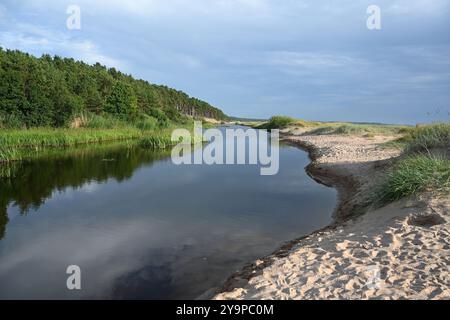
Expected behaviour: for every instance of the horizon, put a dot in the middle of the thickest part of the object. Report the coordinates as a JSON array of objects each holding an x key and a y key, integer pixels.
[{"x": 265, "y": 62}]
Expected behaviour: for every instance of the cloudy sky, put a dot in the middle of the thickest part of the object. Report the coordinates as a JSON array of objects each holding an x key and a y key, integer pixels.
[{"x": 312, "y": 59}]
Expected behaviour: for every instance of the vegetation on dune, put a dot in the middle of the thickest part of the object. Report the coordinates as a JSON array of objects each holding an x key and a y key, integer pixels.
[
  {"x": 428, "y": 137},
  {"x": 277, "y": 122},
  {"x": 415, "y": 174},
  {"x": 424, "y": 166},
  {"x": 356, "y": 129},
  {"x": 325, "y": 128}
]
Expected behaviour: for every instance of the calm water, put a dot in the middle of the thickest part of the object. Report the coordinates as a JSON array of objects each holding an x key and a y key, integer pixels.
[{"x": 142, "y": 228}]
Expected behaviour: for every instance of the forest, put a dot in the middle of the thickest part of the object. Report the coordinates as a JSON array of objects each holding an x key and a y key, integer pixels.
[{"x": 56, "y": 92}]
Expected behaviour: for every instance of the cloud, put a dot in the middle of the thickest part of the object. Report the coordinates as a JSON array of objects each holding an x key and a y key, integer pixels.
[
  {"x": 315, "y": 60},
  {"x": 40, "y": 40},
  {"x": 238, "y": 54},
  {"x": 418, "y": 7}
]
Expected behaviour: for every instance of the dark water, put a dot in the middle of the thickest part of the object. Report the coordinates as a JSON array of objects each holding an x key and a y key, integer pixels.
[{"x": 140, "y": 227}]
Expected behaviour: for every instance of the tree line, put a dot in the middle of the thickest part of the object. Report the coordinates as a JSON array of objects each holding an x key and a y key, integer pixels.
[{"x": 51, "y": 91}]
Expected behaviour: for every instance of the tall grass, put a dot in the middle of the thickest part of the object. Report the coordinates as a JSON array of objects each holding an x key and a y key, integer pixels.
[
  {"x": 421, "y": 139},
  {"x": 415, "y": 174},
  {"x": 19, "y": 144},
  {"x": 423, "y": 166},
  {"x": 46, "y": 137},
  {"x": 16, "y": 145},
  {"x": 356, "y": 129},
  {"x": 429, "y": 137},
  {"x": 156, "y": 142}
]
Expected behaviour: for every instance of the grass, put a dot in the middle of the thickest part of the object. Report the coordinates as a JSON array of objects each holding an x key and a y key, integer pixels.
[
  {"x": 156, "y": 142},
  {"x": 20, "y": 144},
  {"x": 325, "y": 128},
  {"x": 277, "y": 122},
  {"x": 422, "y": 167},
  {"x": 17, "y": 145},
  {"x": 415, "y": 174},
  {"x": 429, "y": 137},
  {"x": 421, "y": 139},
  {"x": 368, "y": 130}
]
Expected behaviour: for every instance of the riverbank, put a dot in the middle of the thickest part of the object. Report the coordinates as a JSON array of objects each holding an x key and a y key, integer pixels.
[
  {"x": 22, "y": 144},
  {"x": 398, "y": 251}
]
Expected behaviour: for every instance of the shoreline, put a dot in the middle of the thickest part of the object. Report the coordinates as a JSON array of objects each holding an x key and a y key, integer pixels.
[{"x": 351, "y": 165}]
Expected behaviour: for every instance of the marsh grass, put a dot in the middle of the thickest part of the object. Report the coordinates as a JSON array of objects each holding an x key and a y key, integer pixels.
[
  {"x": 44, "y": 137},
  {"x": 16, "y": 145},
  {"x": 156, "y": 142}
]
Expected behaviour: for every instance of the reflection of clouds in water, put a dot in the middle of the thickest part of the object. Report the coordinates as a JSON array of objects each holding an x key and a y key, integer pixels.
[
  {"x": 103, "y": 251},
  {"x": 70, "y": 192},
  {"x": 89, "y": 187},
  {"x": 181, "y": 229}
]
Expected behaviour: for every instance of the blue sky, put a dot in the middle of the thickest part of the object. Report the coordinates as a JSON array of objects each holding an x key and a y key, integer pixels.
[{"x": 309, "y": 59}]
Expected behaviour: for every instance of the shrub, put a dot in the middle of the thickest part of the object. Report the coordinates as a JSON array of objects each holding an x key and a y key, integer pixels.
[
  {"x": 94, "y": 121},
  {"x": 10, "y": 121},
  {"x": 160, "y": 116},
  {"x": 147, "y": 123},
  {"x": 278, "y": 122}
]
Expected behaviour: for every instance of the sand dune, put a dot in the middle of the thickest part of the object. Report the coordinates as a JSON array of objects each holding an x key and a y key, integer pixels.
[{"x": 401, "y": 251}]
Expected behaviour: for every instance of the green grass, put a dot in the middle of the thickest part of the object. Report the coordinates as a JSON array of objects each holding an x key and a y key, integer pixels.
[
  {"x": 46, "y": 137},
  {"x": 277, "y": 122},
  {"x": 368, "y": 130},
  {"x": 20, "y": 144},
  {"x": 422, "y": 139},
  {"x": 156, "y": 142},
  {"x": 326, "y": 128},
  {"x": 415, "y": 174},
  {"x": 424, "y": 166},
  {"x": 429, "y": 137}
]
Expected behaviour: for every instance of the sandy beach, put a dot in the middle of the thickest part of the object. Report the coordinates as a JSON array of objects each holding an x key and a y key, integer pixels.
[{"x": 399, "y": 251}]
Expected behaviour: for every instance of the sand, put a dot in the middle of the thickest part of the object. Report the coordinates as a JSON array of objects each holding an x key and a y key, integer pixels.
[{"x": 400, "y": 251}]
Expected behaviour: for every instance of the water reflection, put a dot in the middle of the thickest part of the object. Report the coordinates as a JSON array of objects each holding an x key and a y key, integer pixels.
[
  {"x": 142, "y": 228},
  {"x": 28, "y": 184}
]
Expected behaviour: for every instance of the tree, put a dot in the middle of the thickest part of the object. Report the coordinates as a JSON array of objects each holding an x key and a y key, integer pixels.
[{"x": 121, "y": 102}]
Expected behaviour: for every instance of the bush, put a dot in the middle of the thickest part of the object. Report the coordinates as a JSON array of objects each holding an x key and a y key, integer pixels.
[
  {"x": 147, "y": 123},
  {"x": 105, "y": 121},
  {"x": 160, "y": 116},
  {"x": 278, "y": 122},
  {"x": 10, "y": 121}
]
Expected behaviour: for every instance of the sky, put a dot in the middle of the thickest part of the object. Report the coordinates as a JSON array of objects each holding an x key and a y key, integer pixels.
[{"x": 311, "y": 59}]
